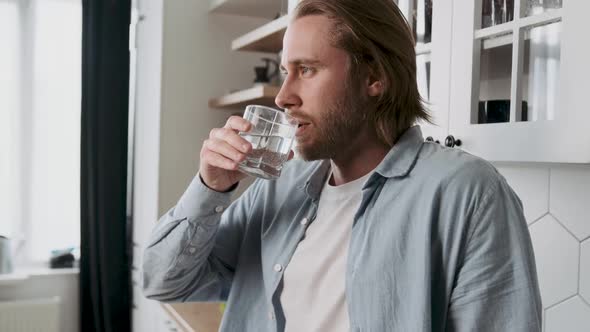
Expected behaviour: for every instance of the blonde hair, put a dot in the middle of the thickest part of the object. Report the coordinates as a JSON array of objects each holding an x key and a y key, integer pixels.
[{"x": 375, "y": 33}]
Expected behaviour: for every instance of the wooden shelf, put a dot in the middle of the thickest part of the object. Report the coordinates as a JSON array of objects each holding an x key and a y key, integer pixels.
[
  {"x": 268, "y": 38},
  {"x": 259, "y": 95},
  {"x": 253, "y": 8}
]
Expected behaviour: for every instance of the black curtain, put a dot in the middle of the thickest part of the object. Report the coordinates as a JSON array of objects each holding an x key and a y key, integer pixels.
[{"x": 104, "y": 260}]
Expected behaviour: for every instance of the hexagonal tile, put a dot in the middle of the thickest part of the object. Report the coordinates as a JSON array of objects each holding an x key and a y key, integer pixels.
[
  {"x": 569, "y": 198},
  {"x": 531, "y": 184},
  {"x": 585, "y": 270},
  {"x": 556, "y": 255},
  {"x": 572, "y": 315}
]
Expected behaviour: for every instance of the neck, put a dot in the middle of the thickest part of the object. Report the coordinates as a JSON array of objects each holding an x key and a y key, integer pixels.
[{"x": 358, "y": 159}]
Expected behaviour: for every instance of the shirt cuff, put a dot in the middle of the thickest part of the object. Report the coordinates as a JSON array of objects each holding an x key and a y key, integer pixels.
[{"x": 200, "y": 201}]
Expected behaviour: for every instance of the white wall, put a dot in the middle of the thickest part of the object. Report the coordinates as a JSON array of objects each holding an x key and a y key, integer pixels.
[
  {"x": 556, "y": 200},
  {"x": 197, "y": 65}
]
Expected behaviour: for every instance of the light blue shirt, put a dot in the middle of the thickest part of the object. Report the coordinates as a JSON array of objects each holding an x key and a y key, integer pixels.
[{"x": 439, "y": 243}]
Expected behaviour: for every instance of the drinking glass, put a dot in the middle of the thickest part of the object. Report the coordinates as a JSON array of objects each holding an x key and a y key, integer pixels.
[{"x": 271, "y": 136}]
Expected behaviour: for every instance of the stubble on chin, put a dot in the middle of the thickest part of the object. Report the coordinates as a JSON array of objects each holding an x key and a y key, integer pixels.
[{"x": 336, "y": 128}]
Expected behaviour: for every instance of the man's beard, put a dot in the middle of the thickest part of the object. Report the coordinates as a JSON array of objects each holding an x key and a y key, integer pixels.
[{"x": 336, "y": 128}]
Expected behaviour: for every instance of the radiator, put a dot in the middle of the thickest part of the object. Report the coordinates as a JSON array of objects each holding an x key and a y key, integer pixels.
[{"x": 38, "y": 315}]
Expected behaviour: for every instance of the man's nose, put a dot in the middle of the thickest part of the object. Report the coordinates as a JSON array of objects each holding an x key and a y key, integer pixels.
[{"x": 287, "y": 97}]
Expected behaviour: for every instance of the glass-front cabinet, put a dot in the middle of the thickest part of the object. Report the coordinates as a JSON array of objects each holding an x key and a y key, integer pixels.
[
  {"x": 518, "y": 87},
  {"x": 431, "y": 24}
]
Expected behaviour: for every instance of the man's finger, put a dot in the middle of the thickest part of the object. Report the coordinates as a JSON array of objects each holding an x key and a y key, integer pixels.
[
  {"x": 291, "y": 155},
  {"x": 225, "y": 149},
  {"x": 238, "y": 123},
  {"x": 235, "y": 140}
]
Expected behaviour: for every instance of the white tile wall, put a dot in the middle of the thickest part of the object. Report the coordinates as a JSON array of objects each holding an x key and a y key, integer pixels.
[
  {"x": 570, "y": 199},
  {"x": 556, "y": 201},
  {"x": 572, "y": 315},
  {"x": 557, "y": 257},
  {"x": 532, "y": 186},
  {"x": 585, "y": 271}
]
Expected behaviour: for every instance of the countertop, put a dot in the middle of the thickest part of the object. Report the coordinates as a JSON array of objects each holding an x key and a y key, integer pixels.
[{"x": 196, "y": 316}]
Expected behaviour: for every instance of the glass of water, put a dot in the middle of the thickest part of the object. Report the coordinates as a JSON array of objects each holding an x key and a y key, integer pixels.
[{"x": 272, "y": 136}]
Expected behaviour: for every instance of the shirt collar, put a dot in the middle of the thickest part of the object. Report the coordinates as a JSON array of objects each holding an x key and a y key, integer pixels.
[
  {"x": 402, "y": 157},
  {"x": 398, "y": 162}
]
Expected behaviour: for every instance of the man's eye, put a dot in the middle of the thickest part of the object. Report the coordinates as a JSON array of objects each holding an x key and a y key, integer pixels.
[{"x": 306, "y": 70}]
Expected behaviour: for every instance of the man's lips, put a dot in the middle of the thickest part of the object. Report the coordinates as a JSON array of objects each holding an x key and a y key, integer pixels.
[
  {"x": 301, "y": 128},
  {"x": 301, "y": 119}
]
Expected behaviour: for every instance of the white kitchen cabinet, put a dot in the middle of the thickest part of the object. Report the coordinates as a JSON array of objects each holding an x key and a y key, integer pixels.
[{"x": 517, "y": 87}]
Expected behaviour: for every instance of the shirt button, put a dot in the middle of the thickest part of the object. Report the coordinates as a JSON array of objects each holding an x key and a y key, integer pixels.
[
  {"x": 271, "y": 315},
  {"x": 278, "y": 267},
  {"x": 191, "y": 250},
  {"x": 304, "y": 221},
  {"x": 219, "y": 209}
]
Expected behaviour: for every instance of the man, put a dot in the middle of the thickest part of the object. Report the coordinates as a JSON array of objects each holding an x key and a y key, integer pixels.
[{"x": 375, "y": 229}]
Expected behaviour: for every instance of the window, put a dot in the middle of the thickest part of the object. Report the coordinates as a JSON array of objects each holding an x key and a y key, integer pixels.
[{"x": 40, "y": 102}]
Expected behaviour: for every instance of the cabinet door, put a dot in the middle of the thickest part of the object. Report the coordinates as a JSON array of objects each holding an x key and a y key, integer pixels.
[
  {"x": 431, "y": 23},
  {"x": 519, "y": 68}
]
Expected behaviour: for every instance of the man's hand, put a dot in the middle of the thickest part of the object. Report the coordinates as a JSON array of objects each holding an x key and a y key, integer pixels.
[{"x": 221, "y": 154}]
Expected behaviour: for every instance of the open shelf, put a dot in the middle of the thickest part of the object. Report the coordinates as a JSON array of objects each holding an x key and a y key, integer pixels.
[
  {"x": 268, "y": 38},
  {"x": 259, "y": 95},
  {"x": 253, "y": 8}
]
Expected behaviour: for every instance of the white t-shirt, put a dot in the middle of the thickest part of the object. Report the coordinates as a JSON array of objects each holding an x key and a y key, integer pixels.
[{"x": 313, "y": 296}]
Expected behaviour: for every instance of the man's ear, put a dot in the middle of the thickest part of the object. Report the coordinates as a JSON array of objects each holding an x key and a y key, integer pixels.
[
  {"x": 374, "y": 88},
  {"x": 374, "y": 84}
]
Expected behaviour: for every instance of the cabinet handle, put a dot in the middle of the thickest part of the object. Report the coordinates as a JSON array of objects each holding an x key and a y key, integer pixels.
[
  {"x": 430, "y": 139},
  {"x": 450, "y": 141}
]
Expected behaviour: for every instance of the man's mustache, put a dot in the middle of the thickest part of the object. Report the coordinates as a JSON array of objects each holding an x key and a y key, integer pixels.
[{"x": 300, "y": 116}]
